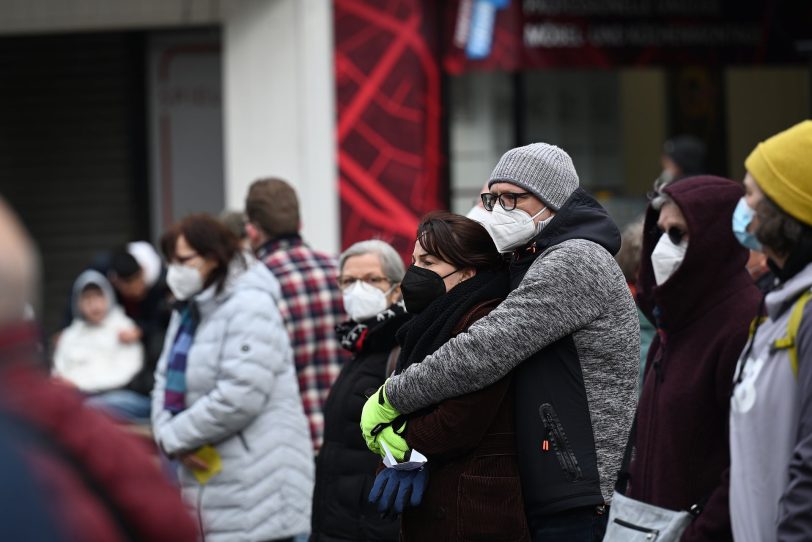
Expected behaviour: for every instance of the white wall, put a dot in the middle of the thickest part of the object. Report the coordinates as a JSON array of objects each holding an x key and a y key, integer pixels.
[
  {"x": 279, "y": 107},
  {"x": 482, "y": 129}
]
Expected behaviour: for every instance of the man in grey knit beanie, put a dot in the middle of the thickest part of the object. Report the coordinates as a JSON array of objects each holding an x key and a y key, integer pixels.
[
  {"x": 531, "y": 184},
  {"x": 569, "y": 329},
  {"x": 544, "y": 170}
]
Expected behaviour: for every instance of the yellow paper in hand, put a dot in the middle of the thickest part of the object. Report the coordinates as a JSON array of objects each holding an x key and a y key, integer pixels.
[{"x": 208, "y": 454}]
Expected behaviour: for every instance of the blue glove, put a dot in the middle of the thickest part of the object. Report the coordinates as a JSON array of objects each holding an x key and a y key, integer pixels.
[{"x": 393, "y": 488}]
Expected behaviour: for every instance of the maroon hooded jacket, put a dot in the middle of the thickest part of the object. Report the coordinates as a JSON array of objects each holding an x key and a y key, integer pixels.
[
  {"x": 101, "y": 485},
  {"x": 702, "y": 313}
]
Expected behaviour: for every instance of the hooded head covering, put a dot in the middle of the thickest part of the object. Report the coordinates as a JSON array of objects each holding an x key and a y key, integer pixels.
[
  {"x": 148, "y": 259},
  {"x": 91, "y": 277},
  {"x": 714, "y": 262}
]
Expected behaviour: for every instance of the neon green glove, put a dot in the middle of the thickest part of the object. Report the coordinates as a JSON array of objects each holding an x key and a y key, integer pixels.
[
  {"x": 396, "y": 444},
  {"x": 376, "y": 413}
]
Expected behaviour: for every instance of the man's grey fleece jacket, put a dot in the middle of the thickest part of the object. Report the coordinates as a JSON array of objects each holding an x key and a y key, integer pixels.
[{"x": 570, "y": 329}]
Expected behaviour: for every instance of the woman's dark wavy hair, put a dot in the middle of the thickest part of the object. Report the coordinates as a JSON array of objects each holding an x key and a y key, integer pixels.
[
  {"x": 460, "y": 241},
  {"x": 778, "y": 230},
  {"x": 209, "y": 238}
]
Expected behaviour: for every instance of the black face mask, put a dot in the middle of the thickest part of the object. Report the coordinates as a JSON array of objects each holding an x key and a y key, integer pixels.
[{"x": 420, "y": 287}]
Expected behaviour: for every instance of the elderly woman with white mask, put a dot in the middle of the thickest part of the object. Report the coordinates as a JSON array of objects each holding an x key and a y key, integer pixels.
[{"x": 370, "y": 275}]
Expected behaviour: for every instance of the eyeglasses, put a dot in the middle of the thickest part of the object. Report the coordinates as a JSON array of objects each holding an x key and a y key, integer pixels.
[
  {"x": 507, "y": 199},
  {"x": 346, "y": 282},
  {"x": 675, "y": 234}
]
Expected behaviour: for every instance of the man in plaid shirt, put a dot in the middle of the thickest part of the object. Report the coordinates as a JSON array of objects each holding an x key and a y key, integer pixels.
[{"x": 311, "y": 302}]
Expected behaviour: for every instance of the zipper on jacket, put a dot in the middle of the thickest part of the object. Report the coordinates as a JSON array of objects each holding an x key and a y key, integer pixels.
[
  {"x": 557, "y": 439},
  {"x": 658, "y": 370},
  {"x": 244, "y": 442},
  {"x": 200, "y": 514},
  {"x": 658, "y": 379},
  {"x": 651, "y": 534}
]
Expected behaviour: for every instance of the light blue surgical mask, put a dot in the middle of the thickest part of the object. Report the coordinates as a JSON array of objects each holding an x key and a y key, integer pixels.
[{"x": 742, "y": 217}]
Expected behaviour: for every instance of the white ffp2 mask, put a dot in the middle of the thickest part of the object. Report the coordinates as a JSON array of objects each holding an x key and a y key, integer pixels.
[
  {"x": 667, "y": 257},
  {"x": 480, "y": 214},
  {"x": 183, "y": 281},
  {"x": 362, "y": 301},
  {"x": 511, "y": 229}
]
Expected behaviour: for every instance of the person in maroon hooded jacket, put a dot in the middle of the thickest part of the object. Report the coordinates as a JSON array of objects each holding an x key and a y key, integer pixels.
[
  {"x": 694, "y": 287},
  {"x": 95, "y": 483}
]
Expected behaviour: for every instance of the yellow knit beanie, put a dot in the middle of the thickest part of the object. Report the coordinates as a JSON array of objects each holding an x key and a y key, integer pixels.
[{"x": 782, "y": 167}]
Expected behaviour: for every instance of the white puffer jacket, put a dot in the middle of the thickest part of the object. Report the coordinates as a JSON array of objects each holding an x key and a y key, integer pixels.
[
  {"x": 91, "y": 356},
  {"x": 242, "y": 397}
]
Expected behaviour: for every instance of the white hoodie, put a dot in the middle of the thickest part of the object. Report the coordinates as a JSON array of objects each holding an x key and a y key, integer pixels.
[{"x": 91, "y": 356}]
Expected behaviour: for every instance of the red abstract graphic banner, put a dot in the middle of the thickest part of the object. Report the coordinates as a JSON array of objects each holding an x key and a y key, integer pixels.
[{"x": 388, "y": 99}]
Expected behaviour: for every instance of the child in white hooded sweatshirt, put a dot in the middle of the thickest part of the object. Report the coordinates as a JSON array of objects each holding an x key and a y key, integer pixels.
[{"x": 89, "y": 353}]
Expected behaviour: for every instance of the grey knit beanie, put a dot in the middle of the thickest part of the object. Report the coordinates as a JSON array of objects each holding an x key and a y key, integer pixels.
[{"x": 543, "y": 170}]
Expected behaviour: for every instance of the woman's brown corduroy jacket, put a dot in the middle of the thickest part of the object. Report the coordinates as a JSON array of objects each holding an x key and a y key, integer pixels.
[{"x": 474, "y": 491}]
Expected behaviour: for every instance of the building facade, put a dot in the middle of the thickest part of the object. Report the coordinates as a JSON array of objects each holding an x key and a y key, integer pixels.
[{"x": 120, "y": 117}]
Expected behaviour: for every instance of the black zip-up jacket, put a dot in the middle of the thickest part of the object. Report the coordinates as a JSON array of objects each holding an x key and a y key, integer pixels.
[{"x": 345, "y": 468}]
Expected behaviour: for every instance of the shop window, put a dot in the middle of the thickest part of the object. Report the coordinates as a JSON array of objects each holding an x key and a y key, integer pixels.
[
  {"x": 578, "y": 111},
  {"x": 482, "y": 128}
]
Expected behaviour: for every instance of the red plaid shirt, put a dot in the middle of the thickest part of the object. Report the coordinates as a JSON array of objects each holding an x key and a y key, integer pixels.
[{"x": 311, "y": 307}]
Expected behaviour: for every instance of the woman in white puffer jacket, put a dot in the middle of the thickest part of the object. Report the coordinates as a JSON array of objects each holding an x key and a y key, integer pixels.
[{"x": 226, "y": 380}]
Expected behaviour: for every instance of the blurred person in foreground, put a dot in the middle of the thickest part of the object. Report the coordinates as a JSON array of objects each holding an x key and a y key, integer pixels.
[
  {"x": 98, "y": 483},
  {"x": 225, "y": 403},
  {"x": 628, "y": 258},
  {"x": 693, "y": 284},
  {"x": 310, "y": 300},
  {"x": 771, "y": 407},
  {"x": 472, "y": 486},
  {"x": 89, "y": 354},
  {"x": 369, "y": 277},
  {"x": 569, "y": 327}
]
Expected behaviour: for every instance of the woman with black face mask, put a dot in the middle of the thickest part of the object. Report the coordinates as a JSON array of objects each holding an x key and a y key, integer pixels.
[{"x": 472, "y": 487}]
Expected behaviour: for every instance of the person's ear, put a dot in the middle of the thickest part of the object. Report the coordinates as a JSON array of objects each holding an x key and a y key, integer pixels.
[
  {"x": 112, "y": 278},
  {"x": 547, "y": 214},
  {"x": 395, "y": 295},
  {"x": 253, "y": 234},
  {"x": 466, "y": 274}
]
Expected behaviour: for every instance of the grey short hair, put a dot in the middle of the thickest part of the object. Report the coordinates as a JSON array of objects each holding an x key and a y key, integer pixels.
[
  {"x": 660, "y": 199},
  {"x": 391, "y": 262}
]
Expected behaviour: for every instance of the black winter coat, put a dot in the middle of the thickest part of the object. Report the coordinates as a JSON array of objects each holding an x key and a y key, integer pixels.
[{"x": 345, "y": 468}]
